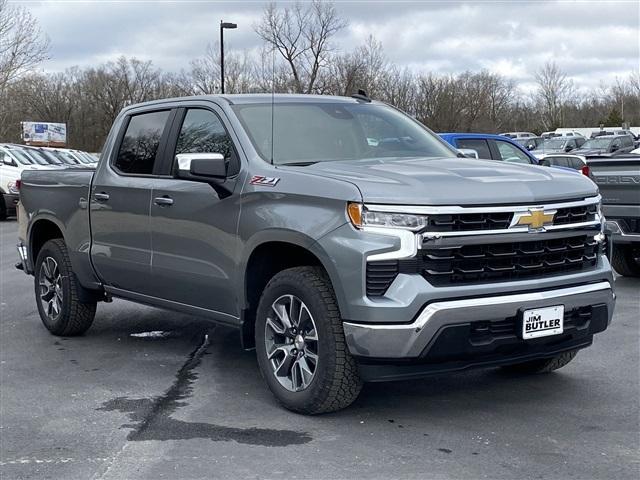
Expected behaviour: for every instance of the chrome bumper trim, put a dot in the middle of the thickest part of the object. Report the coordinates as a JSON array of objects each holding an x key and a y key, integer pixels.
[{"x": 409, "y": 340}]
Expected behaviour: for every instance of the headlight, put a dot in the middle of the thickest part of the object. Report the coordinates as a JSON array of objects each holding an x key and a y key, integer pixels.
[
  {"x": 13, "y": 188},
  {"x": 361, "y": 217}
]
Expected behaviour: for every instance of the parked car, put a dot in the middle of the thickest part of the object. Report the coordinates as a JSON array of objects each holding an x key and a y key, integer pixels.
[
  {"x": 576, "y": 162},
  {"x": 551, "y": 134},
  {"x": 518, "y": 134},
  {"x": 618, "y": 179},
  {"x": 557, "y": 145},
  {"x": 344, "y": 240},
  {"x": 491, "y": 147},
  {"x": 601, "y": 133},
  {"x": 617, "y": 144},
  {"x": 13, "y": 161},
  {"x": 530, "y": 143}
]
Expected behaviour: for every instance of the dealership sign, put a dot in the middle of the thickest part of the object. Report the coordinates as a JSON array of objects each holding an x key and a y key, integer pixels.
[{"x": 44, "y": 133}]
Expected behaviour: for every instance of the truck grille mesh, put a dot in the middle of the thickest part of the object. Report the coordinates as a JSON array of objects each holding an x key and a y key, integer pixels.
[
  {"x": 465, "y": 222},
  {"x": 486, "y": 263}
]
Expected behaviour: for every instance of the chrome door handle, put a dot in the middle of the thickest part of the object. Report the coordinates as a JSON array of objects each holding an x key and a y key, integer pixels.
[
  {"x": 101, "y": 197},
  {"x": 163, "y": 201}
]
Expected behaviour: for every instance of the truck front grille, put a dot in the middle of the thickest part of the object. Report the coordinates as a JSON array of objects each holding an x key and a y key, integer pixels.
[
  {"x": 486, "y": 263},
  {"x": 501, "y": 262},
  {"x": 468, "y": 222}
]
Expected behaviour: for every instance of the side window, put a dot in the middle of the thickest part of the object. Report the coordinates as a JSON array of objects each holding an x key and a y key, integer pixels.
[
  {"x": 577, "y": 163},
  {"x": 203, "y": 132},
  {"x": 477, "y": 144},
  {"x": 616, "y": 143},
  {"x": 510, "y": 153},
  {"x": 137, "y": 153},
  {"x": 580, "y": 141},
  {"x": 627, "y": 142}
]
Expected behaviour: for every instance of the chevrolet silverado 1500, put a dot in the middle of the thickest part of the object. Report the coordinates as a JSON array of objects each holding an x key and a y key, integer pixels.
[{"x": 343, "y": 239}]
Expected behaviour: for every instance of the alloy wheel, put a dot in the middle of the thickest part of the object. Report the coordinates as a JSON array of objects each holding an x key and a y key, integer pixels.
[
  {"x": 291, "y": 341},
  {"x": 50, "y": 281}
]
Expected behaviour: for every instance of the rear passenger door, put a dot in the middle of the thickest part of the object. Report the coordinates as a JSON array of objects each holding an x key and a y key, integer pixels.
[
  {"x": 194, "y": 223},
  {"x": 121, "y": 199}
]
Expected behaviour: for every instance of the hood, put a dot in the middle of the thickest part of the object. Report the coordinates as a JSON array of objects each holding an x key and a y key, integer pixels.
[{"x": 455, "y": 181}]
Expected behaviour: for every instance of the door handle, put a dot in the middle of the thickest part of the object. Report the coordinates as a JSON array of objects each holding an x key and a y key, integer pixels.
[
  {"x": 101, "y": 197},
  {"x": 163, "y": 201}
]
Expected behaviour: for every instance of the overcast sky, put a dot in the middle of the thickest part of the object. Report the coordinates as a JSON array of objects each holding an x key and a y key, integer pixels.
[{"x": 592, "y": 41}]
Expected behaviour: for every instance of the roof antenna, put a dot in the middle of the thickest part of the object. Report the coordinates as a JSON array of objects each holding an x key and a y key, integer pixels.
[{"x": 361, "y": 95}]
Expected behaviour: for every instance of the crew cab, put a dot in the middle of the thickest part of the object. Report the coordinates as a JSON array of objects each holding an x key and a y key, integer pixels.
[{"x": 343, "y": 239}]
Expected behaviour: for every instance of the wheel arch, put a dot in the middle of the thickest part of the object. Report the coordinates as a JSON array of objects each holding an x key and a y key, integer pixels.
[
  {"x": 42, "y": 230},
  {"x": 268, "y": 255}
]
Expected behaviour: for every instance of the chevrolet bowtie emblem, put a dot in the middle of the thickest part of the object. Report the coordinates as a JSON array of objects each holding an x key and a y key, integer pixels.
[{"x": 535, "y": 219}]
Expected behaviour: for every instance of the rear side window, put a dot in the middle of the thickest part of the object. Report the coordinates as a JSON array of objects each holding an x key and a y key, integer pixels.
[
  {"x": 580, "y": 141},
  {"x": 627, "y": 141},
  {"x": 511, "y": 153},
  {"x": 479, "y": 145},
  {"x": 139, "y": 147}
]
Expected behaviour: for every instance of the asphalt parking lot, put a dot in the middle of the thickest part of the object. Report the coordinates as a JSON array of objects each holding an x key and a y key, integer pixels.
[{"x": 151, "y": 394}]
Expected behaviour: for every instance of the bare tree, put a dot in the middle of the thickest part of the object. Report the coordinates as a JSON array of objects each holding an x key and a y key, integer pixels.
[
  {"x": 554, "y": 91},
  {"x": 22, "y": 44},
  {"x": 302, "y": 36}
]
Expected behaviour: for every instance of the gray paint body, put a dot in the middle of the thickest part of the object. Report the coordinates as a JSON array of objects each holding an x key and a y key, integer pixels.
[{"x": 192, "y": 256}]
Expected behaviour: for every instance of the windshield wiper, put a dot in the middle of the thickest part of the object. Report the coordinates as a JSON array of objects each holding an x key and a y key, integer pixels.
[{"x": 298, "y": 164}]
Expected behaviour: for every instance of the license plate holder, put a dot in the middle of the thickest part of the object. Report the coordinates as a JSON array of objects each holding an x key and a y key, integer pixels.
[{"x": 542, "y": 322}]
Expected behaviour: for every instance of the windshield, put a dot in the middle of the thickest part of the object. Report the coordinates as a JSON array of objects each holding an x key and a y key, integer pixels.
[
  {"x": 317, "y": 132},
  {"x": 35, "y": 156},
  {"x": 554, "y": 144},
  {"x": 598, "y": 142},
  {"x": 20, "y": 156},
  {"x": 50, "y": 157}
]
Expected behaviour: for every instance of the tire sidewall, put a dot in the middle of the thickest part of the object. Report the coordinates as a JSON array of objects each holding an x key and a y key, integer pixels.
[
  {"x": 53, "y": 250},
  {"x": 283, "y": 285}
]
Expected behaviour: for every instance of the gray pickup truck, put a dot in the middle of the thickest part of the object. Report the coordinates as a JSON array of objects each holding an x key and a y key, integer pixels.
[
  {"x": 618, "y": 179},
  {"x": 343, "y": 239}
]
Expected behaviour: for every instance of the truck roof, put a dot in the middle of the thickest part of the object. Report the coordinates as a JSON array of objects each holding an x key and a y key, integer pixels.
[{"x": 259, "y": 98}]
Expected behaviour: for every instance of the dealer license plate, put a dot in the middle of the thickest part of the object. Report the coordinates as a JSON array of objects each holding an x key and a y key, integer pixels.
[{"x": 542, "y": 322}]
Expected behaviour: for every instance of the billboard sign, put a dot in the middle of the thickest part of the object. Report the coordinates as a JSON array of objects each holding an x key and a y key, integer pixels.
[{"x": 44, "y": 133}]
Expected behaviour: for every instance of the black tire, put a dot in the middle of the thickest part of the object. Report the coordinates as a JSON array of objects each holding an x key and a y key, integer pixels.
[
  {"x": 544, "y": 365},
  {"x": 625, "y": 260},
  {"x": 3, "y": 209},
  {"x": 335, "y": 383},
  {"x": 74, "y": 317}
]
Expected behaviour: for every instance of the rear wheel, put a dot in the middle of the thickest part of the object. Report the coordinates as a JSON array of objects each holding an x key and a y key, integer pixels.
[
  {"x": 626, "y": 260},
  {"x": 300, "y": 343},
  {"x": 544, "y": 365},
  {"x": 57, "y": 292}
]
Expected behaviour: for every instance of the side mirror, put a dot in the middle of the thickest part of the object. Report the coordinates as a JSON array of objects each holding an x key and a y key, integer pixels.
[
  {"x": 568, "y": 148},
  {"x": 194, "y": 166},
  {"x": 614, "y": 148},
  {"x": 469, "y": 152},
  {"x": 531, "y": 146}
]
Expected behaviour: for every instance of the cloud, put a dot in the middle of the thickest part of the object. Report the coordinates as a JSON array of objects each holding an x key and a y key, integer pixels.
[{"x": 591, "y": 41}]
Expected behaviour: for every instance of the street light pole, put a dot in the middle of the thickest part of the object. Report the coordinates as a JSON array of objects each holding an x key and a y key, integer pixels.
[{"x": 223, "y": 25}]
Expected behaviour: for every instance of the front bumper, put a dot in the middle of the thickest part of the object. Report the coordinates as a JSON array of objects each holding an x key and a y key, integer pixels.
[
  {"x": 415, "y": 340},
  {"x": 11, "y": 203}
]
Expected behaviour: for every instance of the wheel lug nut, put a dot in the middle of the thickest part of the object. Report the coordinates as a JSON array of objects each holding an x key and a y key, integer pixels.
[{"x": 294, "y": 352}]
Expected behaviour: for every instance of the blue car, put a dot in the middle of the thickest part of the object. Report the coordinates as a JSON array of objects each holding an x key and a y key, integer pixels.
[{"x": 490, "y": 147}]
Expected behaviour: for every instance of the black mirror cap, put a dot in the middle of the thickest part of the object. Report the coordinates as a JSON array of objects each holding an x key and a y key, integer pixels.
[{"x": 209, "y": 167}]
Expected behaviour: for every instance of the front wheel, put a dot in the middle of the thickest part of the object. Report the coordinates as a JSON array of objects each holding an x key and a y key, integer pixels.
[
  {"x": 626, "y": 260},
  {"x": 300, "y": 343},
  {"x": 56, "y": 289}
]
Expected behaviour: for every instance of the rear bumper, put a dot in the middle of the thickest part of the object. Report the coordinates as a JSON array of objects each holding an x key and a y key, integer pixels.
[
  {"x": 467, "y": 324},
  {"x": 11, "y": 203}
]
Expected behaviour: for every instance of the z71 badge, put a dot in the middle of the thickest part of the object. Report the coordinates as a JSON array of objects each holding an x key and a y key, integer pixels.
[{"x": 264, "y": 181}]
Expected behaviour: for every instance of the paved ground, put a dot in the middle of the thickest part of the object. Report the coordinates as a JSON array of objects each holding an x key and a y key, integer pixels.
[{"x": 190, "y": 404}]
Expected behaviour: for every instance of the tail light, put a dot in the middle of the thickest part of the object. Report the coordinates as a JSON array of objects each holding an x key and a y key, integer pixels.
[
  {"x": 586, "y": 171},
  {"x": 18, "y": 184}
]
